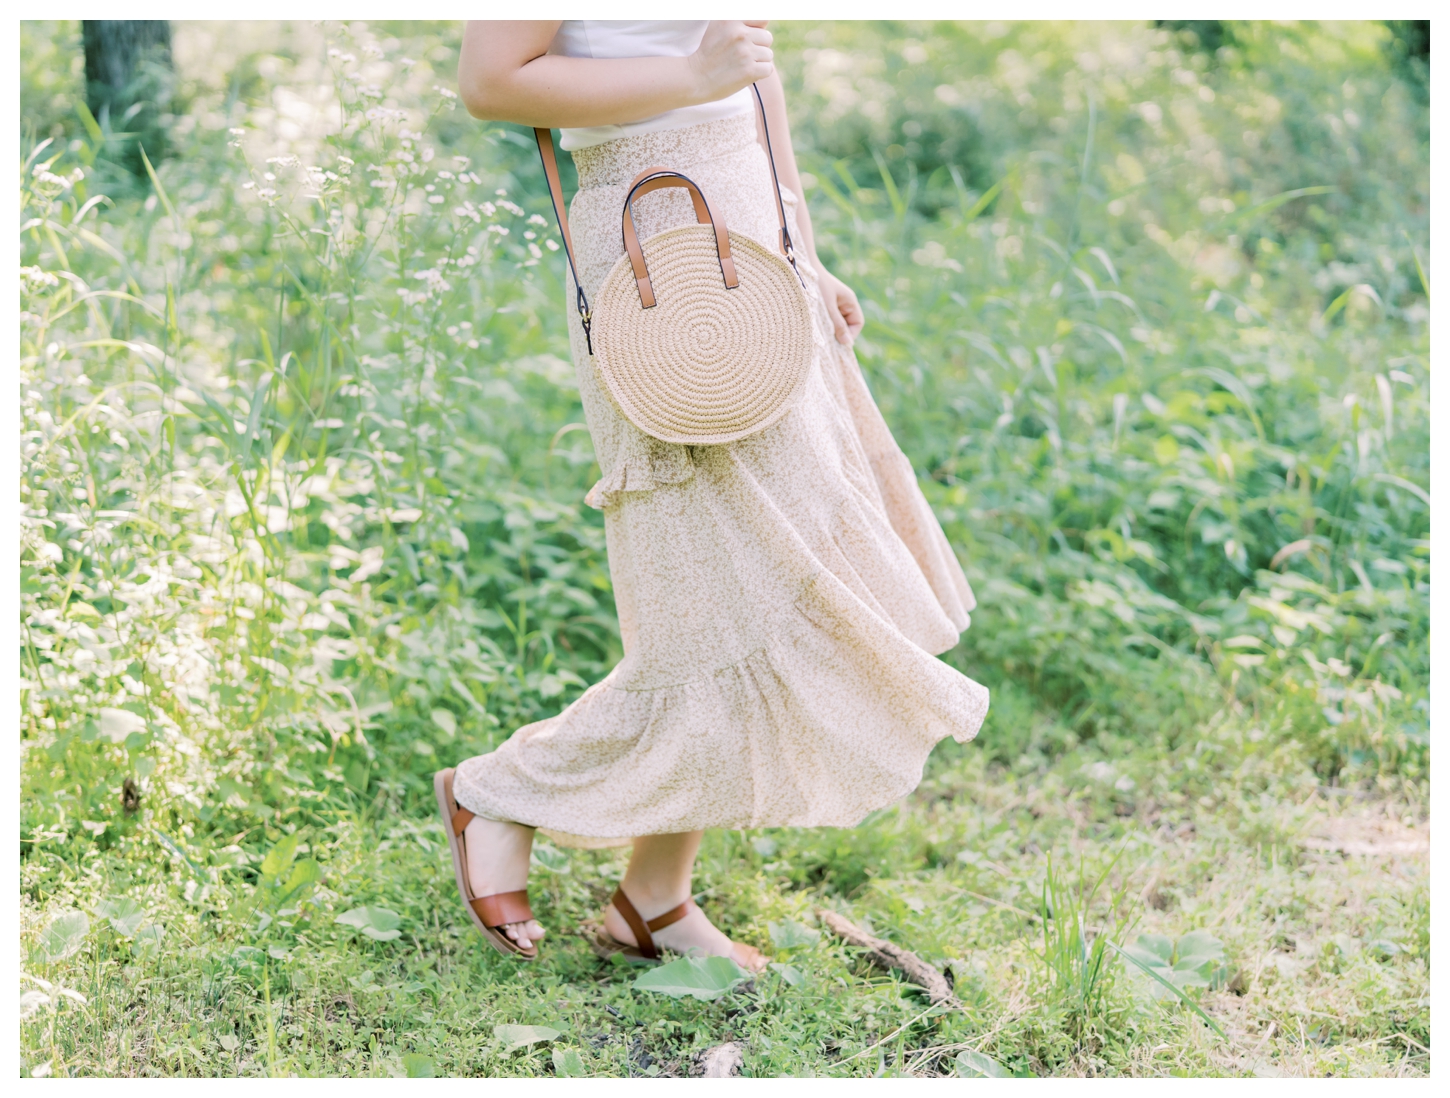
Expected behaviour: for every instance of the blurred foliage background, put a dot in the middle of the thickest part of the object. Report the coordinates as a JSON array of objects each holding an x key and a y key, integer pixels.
[{"x": 303, "y": 460}]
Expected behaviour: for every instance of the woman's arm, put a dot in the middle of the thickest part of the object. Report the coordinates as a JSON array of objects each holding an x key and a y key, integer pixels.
[
  {"x": 841, "y": 303},
  {"x": 505, "y": 73}
]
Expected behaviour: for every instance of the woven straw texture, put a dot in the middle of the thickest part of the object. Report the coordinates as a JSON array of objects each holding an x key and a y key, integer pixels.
[
  {"x": 780, "y": 598},
  {"x": 707, "y": 364}
]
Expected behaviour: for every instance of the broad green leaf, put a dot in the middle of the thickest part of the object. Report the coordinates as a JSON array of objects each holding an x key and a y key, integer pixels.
[
  {"x": 1188, "y": 978},
  {"x": 568, "y": 1064},
  {"x": 148, "y": 938},
  {"x": 1147, "y": 957},
  {"x": 417, "y": 1065},
  {"x": 1198, "y": 948},
  {"x": 703, "y": 978},
  {"x": 1156, "y": 973},
  {"x": 378, "y": 923},
  {"x": 550, "y": 858},
  {"x": 789, "y": 973},
  {"x": 1157, "y": 945},
  {"x": 280, "y": 858},
  {"x": 978, "y": 1065},
  {"x": 1152, "y": 962},
  {"x": 65, "y": 934},
  {"x": 446, "y": 721},
  {"x": 788, "y": 935},
  {"x": 305, "y": 874},
  {"x": 124, "y": 915},
  {"x": 513, "y": 1037}
]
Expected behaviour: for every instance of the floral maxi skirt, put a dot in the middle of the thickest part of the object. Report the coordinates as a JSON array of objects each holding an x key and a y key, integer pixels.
[{"x": 781, "y": 599}]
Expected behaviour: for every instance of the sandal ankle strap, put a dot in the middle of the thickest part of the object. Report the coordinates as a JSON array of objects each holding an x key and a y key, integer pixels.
[{"x": 640, "y": 928}]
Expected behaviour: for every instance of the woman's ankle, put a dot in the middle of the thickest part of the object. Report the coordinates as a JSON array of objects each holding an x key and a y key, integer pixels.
[
  {"x": 498, "y": 855},
  {"x": 652, "y": 899},
  {"x": 659, "y": 873}
]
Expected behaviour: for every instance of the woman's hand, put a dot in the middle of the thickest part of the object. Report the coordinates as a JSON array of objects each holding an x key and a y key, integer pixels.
[
  {"x": 841, "y": 306},
  {"x": 733, "y": 54}
]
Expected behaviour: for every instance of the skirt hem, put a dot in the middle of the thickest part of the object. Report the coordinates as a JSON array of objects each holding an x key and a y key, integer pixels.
[{"x": 793, "y": 711}]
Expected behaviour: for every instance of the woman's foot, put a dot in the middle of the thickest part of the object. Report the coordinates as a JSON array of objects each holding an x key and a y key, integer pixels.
[
  {"x": 693, "y": 932},
  {"x": 498, "y": 861}
]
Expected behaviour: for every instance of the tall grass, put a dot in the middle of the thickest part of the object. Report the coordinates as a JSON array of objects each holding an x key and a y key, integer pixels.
[
  {"x": 1184, "y": 460},
  {"x": 278, "y": 482},
  {"x": 303, "y": 457},
  {"x": 303, "y": 460}
]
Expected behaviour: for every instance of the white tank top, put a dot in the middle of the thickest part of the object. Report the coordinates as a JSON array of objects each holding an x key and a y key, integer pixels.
[{"x": 641, "y": 38}]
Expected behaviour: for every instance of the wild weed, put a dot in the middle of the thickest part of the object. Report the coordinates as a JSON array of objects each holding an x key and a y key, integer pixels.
[
  {"x": 302, "y": 480},
  {"x": 1078, "y": 955}
]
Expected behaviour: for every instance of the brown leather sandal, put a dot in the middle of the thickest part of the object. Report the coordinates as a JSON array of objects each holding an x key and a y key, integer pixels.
[
  {"x": 489, "y": 913},
  {"x": 606, "y": 945}
]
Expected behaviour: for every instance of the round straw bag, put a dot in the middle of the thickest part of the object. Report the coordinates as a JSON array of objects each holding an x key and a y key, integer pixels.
[{"x": 701, "y": 335}]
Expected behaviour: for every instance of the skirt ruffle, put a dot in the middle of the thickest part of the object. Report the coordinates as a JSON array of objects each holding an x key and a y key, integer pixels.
[{"x": 830, "y": 719}]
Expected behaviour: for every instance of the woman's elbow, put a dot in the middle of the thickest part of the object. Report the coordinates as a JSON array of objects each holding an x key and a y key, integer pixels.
[{"x": 479, "y": 96}]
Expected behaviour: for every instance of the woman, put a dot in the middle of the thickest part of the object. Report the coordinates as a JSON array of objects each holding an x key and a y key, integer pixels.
[{"x": 781, "y": 598}]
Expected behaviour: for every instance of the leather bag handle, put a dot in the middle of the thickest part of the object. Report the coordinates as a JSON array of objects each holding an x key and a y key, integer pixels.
[
  {"x": 654, "y": 179},
  {"x": 545, "y": 141}
]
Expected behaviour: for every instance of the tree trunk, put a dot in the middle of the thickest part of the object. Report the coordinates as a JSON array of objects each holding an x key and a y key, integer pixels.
[
  {"x": 128, "y": 82},
  {"x": 115, "y": 50}
]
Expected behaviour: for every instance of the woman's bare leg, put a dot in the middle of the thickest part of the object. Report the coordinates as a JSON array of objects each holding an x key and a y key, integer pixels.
[
  {"x": 498, "y": 861},
  {"x": 658, "y": 878}
]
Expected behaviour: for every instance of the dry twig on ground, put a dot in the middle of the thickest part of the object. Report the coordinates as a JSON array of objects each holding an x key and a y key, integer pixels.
[{"x": 886, "y": 955}]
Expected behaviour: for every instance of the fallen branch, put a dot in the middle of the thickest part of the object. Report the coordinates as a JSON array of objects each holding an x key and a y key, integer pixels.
[{"x": 886, "y": 955}]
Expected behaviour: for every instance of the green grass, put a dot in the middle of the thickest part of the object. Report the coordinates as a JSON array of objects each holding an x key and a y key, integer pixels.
[
  {"x": 302, "y": 520},
  {"x": 956, "y": 873}
]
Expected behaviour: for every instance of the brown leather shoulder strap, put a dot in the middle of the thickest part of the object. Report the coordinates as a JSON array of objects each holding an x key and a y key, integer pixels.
[
  {"x": 786, "y": 248},
  {"x": 545, "y": 141}
]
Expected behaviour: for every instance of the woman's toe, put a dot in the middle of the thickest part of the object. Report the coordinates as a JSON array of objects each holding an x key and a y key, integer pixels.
[{"x": 748, "y": 957}]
